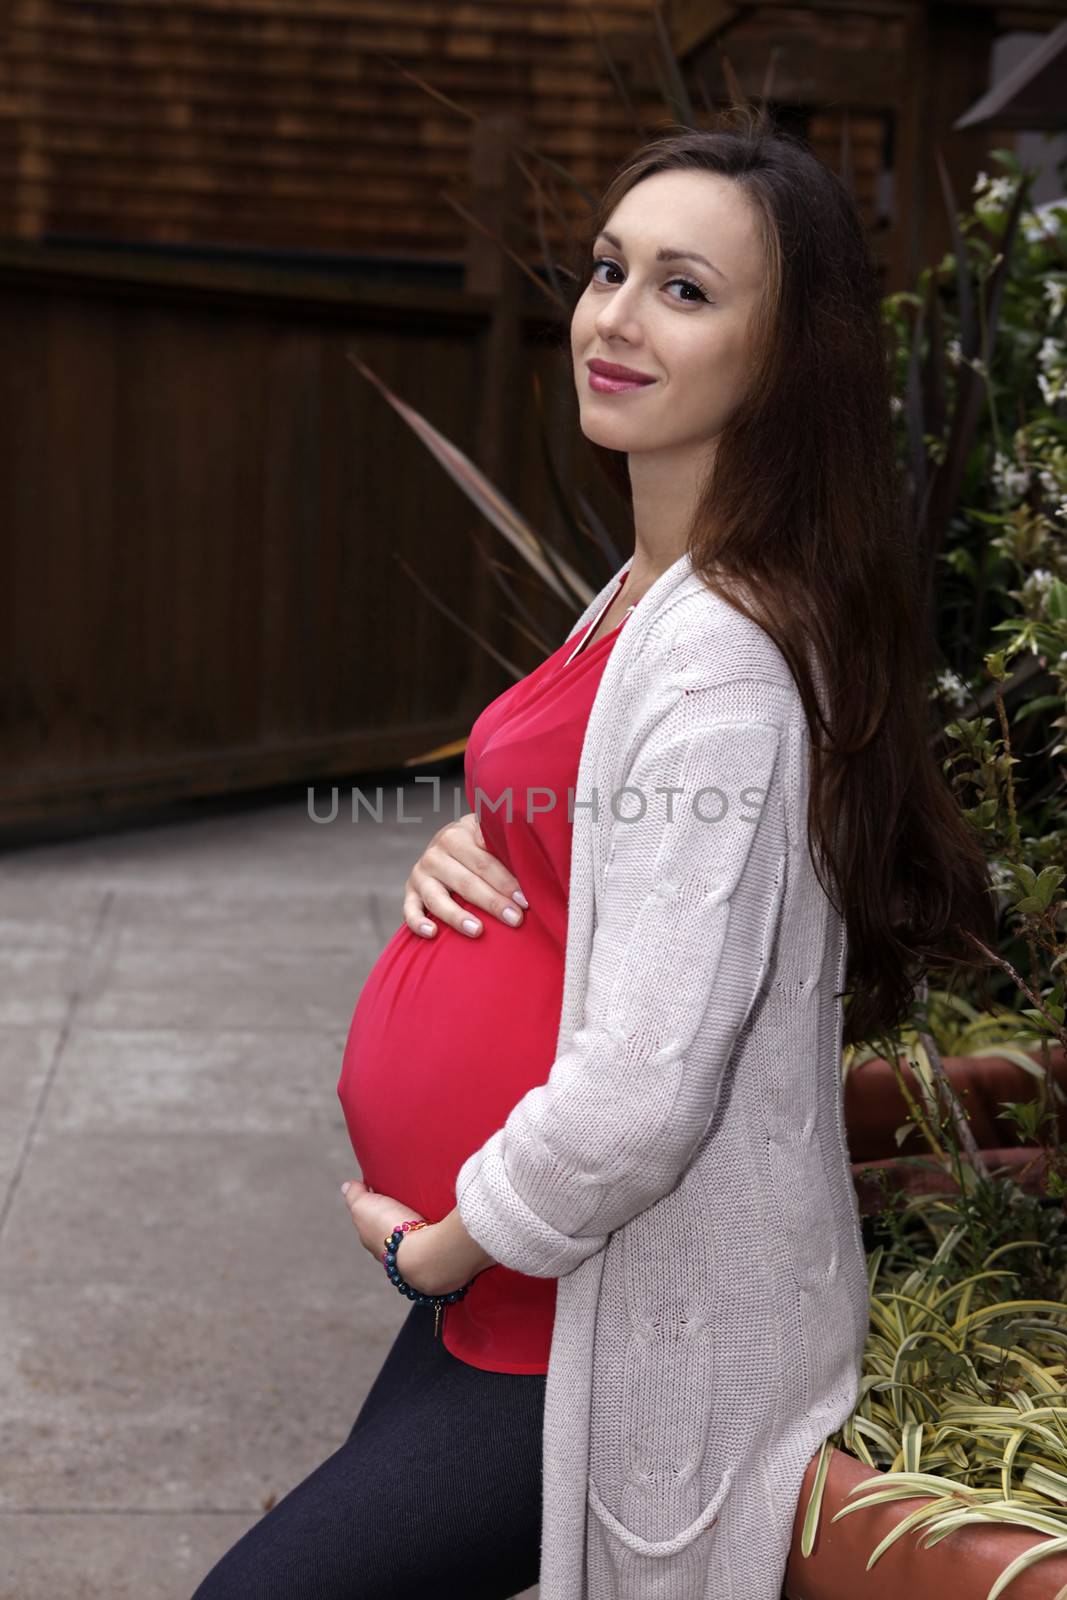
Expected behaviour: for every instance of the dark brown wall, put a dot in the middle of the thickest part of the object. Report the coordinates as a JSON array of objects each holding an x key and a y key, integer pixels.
[
  {"x": 279, "y": 123},
  {"x": 200, "y": 506}
]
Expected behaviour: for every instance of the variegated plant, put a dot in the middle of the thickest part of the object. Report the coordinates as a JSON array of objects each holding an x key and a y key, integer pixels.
[{"x": 963, "y": 1400}]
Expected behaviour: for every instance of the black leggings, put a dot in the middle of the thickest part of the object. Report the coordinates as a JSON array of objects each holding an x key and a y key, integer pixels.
[{"x": 438, "y": 1485}]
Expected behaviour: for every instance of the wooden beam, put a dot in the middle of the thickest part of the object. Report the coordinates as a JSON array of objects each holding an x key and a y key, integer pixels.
[
  {"x": 909, "y": 197},
  {"x": 694, "y": 22},
  {"x": 497, "y": 186},
  {"x": 810, "y": 72},
  {"x": 1020, "y": 19}
]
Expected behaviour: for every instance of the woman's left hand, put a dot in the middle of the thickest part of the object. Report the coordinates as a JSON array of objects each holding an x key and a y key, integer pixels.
[{"x": 375, "y": 1216}]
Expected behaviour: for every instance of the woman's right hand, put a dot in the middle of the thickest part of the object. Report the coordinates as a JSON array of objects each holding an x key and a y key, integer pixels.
[{"x": 456, "y": 859}]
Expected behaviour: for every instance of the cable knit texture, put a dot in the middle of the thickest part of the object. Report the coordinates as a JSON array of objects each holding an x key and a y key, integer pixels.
[{"x": 684, "y": 1172}]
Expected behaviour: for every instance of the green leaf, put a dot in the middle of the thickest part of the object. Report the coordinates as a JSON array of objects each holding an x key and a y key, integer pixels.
[
  {"x": 1056, "y": 600},
  {"x": 1024, "y": 876},
  {"x": 1047, "y": 884},
  {"x": 1008, "y": 159},
  {"x": 1043, "y": 702},
  {"x": 995, "y": 518}
]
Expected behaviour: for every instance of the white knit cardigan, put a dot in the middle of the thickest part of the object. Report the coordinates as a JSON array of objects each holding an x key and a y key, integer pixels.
[{"x": 684, "y": 1172}]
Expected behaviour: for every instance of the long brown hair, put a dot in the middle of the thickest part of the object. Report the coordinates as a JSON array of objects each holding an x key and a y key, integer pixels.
[{"x": 801, "y": 526}]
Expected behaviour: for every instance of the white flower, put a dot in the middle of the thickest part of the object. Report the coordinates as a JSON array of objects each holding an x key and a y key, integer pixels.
[
  {"x": 950, "y": 686},
  {"x": 1036, "y": 585},
  {"x": 1051, "y": 388},
  {"x": 1045, "y": 219},
  {"x": 1051, "y": 353},
  {"x": 1052, "y": 377},
  {"x": 1010, "y": 479},
  {"x": 980, "y": 182},
  {"x": 1056, "y": 292},
  {"x": 998, "y": 192},
  {"x": 954, "y": 351},
  {"x": 896, "y": 404}
]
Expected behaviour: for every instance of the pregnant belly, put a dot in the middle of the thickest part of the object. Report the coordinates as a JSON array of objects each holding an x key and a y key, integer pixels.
[{"x": 448, "y": 1034}]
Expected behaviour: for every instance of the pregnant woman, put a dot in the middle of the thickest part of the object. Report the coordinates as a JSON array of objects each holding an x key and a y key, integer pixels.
[{"x": 593, "y": 1081}]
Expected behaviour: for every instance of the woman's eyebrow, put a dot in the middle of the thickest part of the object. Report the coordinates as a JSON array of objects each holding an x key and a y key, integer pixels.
[{"x": 666, "y": 254}]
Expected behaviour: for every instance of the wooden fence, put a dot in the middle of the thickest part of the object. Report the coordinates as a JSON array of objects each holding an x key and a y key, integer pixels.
[{"x": 201, "y": 506}]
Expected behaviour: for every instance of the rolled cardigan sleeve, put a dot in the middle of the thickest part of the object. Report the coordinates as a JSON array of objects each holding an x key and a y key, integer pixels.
[{"x": 684, "y": 925}]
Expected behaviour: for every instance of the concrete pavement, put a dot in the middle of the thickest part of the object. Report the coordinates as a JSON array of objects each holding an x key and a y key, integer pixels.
[{"x": 187, "y": 1323}]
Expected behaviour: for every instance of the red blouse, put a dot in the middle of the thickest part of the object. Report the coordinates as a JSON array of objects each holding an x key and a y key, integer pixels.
[{"x": 449, "y": 1033}]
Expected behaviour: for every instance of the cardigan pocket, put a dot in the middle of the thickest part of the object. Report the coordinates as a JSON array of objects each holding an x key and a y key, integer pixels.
[{"x": 657, "y": 1549}]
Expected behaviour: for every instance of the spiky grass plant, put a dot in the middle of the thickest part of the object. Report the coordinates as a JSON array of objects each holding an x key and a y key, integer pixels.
[{"x": 963, "y": 1399}]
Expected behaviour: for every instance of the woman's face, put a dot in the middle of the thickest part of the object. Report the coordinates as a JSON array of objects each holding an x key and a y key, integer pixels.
[{"x": 683, "y": 323}]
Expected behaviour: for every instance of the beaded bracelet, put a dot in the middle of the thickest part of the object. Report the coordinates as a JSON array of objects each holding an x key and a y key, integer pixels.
[{"x": 438, "y": 1301}]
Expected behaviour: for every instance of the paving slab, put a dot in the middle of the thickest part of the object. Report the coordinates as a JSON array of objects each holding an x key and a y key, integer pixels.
[{"x": 188, "y": 1326}]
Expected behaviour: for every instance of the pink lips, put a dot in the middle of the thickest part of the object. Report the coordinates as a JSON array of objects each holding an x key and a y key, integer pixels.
[{"x": 605, "y": 377}]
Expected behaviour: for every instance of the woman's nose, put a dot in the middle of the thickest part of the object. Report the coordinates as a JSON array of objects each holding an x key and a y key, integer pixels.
[{"x": 617, "y": 317}]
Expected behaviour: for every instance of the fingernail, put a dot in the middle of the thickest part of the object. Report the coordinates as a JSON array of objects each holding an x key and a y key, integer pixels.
[
  {"x": 470, "y": 925},
  {"x": 426, "y": 928},
  {"x": 521, "y": 898},
  {"x": 509, "y": 914},
  {"x": 345, "y": 1187}
]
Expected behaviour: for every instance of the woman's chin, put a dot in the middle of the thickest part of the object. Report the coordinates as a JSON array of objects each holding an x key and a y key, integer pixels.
[{"x": 603, "y": 434}]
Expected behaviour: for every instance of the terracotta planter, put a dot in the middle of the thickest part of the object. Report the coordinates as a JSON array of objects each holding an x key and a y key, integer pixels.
[
  {"x": 875, "y": 1108},
  {"x": 1025, "y": 1163},
  {"x": 963, "y": 1566},
  {"x": 967, "y": 1562}
]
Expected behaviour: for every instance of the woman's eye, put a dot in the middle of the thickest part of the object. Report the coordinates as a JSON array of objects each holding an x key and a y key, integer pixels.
[{"x": 686, "y": 283}]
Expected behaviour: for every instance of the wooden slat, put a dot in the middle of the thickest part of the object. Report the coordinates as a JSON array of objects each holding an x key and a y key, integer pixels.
[
  {"x": 201, "y": 504},
  {"x": 68, "y": 104},
  {"x": 467, "y": 15},
  {"x": 253, "y": 123},
  {"x": 90, "y": 271},
  {"x": 143, "y": 39}
]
